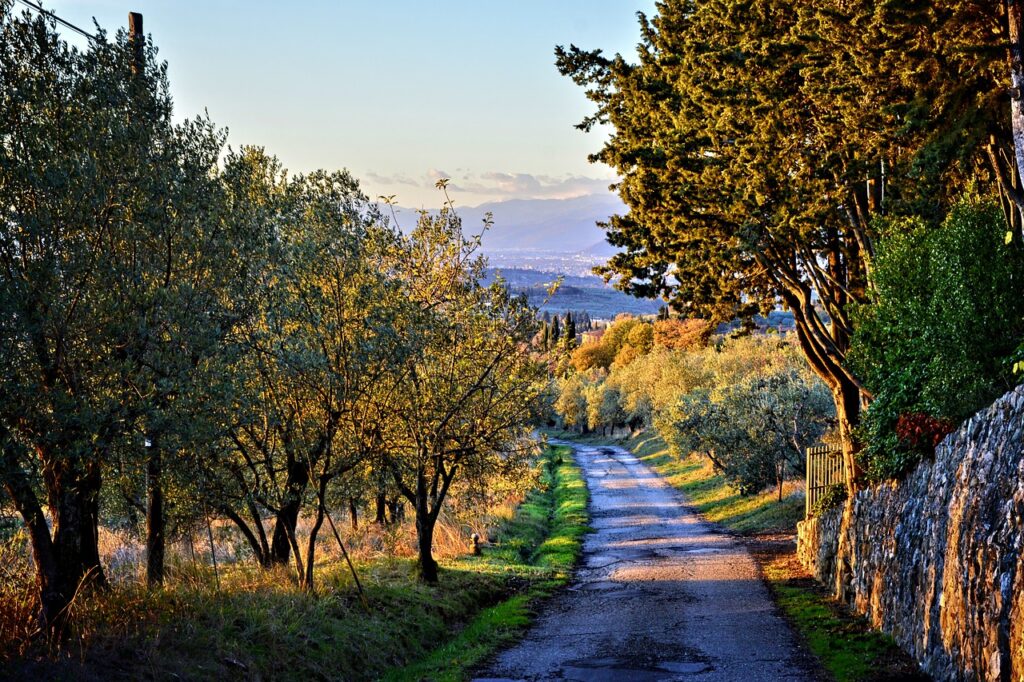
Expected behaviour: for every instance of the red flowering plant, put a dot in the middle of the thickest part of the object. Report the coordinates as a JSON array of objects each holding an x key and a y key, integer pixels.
[{"x": 921, "y": 432}]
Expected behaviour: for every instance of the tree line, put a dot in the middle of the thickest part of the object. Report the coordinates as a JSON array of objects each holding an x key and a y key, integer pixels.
[
  {"x": 188, "y": 330},
  {"x": 748, "y": 404}
]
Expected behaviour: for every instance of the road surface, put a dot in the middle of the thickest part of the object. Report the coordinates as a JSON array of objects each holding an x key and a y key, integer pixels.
[{"x": 659, "y": 595}]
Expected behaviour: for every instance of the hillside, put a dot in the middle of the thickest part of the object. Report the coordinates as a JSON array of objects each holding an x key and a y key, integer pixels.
[{"x": 577, "y": 292}]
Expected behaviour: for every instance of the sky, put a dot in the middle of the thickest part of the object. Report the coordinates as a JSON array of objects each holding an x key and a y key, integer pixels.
[{"x": 400, "y": 92}]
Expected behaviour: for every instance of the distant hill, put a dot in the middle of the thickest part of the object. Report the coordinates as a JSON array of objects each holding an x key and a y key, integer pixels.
[
  {"x": 534, "y": 241},
  {"x": 542, "y": 225},
  {"x": 588, "y": 293}
]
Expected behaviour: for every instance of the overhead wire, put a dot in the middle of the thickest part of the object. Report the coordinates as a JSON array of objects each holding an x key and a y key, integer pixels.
[{"x": 63, "y": 22}]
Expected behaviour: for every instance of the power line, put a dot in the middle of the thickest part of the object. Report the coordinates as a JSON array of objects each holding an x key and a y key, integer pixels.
[{"x": 53, "y": 16}]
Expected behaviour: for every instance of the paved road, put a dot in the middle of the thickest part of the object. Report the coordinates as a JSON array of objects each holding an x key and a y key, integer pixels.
[{"x": 659, "y": 595}]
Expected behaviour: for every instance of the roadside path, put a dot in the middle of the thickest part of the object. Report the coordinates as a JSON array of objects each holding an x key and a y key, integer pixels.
[{"x": 660, "y": 595}]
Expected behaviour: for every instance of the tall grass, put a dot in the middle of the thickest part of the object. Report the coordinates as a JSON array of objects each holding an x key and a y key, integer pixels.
[{"x": 248, "y": 622}]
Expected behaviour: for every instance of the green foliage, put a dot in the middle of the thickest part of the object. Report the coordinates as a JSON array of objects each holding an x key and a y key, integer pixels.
[
  {"x": 832, "y": 498},
  {"x": 756, "y": 141},
  {"x": 189, "y": 331},
  {"x": 753, "y": 422},
  {"x": 626, "y": 339},
  {"x": 944, "y": 319},
  {"x": 571, "y": 403},
  {"x": 751, "y": 405}
]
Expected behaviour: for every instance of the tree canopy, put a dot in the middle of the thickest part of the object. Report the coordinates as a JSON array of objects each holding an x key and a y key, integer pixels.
[{"x": 757, "y": 141}]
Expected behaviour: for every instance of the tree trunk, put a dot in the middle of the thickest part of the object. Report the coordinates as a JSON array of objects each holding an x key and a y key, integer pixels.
[
  {"x": 1015, "y": 20},
  {"x": 67, "y": 560},
  {"x": 353, "y": 513},
  {"x": 307, "y": 584},
  {"x": 293, "y": 541},
  {"x": 288, "y": 515},
  {"x": 846, "y": 397},
  {"x": 74, "y": 502},
  {"x": 424, "y": 533},
  {"x": 260, "y": 551},
  {"x": 155, "y": 522},
  {"x": 381, "y": 516},
  {"x": 52, "y": 600},
  {"x": 780, "y": 470},
  {"x": 826, "y": 363},
  {"x": 397, "y": 510},
  {"x": 284, "y": 526}
]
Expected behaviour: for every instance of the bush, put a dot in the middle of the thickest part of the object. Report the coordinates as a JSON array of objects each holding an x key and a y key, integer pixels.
[
  {"x": 922, "y": 432},
  {"x": 945, "y": 317},
  {"x": 832, "y": 498},
  {"x": 760, "y": 407}
]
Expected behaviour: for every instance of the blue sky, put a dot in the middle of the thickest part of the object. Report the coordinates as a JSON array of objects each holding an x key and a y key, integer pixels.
[{"x": 397, "y": 91}]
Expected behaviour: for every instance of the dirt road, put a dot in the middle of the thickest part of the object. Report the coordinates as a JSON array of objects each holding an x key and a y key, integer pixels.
[{"x": 660, "y": 595}]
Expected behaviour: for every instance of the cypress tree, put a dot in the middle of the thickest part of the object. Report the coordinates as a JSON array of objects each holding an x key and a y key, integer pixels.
[{"x": 570, "y": 330}]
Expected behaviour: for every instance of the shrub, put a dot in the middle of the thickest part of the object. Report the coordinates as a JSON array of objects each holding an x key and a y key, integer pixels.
[
  {"x": 921, "y": 432},
  {"x": 691, "y": 334},
  {"x": 946, "y": 315},
  {"x": 832, "y": 498}
]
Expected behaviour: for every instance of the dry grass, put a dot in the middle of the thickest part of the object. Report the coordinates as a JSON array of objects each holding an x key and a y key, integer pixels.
[
  {"x": 18, "y": 601},
  {"x": 197, "y": 608}
]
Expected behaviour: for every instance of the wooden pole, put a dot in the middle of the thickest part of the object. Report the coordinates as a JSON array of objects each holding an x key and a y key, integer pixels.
[
  {"x": 213, "y": 550},
  {"x": 344, "y": 552}
]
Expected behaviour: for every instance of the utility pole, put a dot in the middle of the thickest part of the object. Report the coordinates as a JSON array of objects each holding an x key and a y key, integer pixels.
[{"x": 155, "y": 522}]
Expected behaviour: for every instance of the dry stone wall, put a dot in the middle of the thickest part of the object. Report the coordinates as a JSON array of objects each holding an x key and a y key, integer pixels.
[{"x": 937, "y": 560}]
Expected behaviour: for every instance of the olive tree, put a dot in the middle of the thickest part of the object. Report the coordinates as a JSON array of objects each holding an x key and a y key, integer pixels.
[{"x": 472, "y": 388}]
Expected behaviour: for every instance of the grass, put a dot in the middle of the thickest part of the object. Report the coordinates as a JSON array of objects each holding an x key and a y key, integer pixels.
[
  {"x": 539, "y": 546},
  {"x": 846, "y": 646},
  {"x": 259, "y": 625}
]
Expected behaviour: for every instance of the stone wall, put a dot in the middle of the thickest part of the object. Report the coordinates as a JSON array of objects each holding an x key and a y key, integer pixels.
[{"x": 937, "y": 561}]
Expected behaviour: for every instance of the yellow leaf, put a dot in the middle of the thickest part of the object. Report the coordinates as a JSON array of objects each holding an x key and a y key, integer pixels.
[{"x": 1009, "y": 237}]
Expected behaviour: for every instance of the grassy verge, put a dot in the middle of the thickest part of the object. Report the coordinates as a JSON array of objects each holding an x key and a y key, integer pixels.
[
  {"x": 539, "y": 548},
  {"x": 848, "y": 649},
  {"x": 259, "y": 625},
  {"x": 846, "y": 646}
]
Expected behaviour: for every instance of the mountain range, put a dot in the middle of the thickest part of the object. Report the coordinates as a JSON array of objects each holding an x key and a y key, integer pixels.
[
  {"x": 563, "y": 226},
  {"x": 533, "y": 242}
]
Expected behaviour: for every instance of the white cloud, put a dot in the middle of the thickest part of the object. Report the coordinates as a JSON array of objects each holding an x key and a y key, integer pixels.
[
  {"x": 467, "y": 187},
  {"x": 529, "y": 186},
  {"x": 396, "y": 179}
]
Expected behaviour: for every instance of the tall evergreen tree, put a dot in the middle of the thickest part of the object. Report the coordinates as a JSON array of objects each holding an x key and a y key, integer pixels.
[{"x": 756, "y": 141}]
